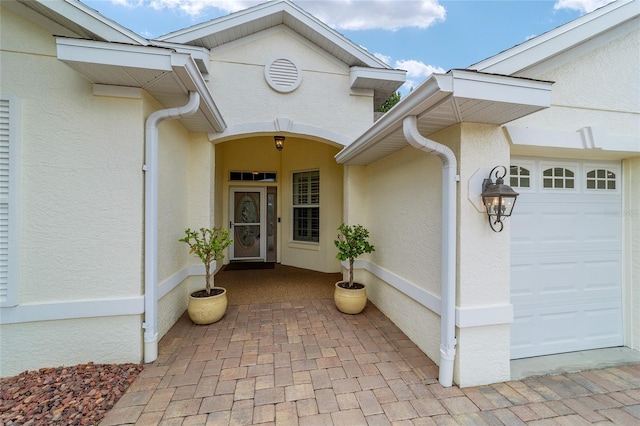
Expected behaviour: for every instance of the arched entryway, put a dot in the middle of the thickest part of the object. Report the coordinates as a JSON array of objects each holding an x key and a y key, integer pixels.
[{"x": 281, "y": 205}]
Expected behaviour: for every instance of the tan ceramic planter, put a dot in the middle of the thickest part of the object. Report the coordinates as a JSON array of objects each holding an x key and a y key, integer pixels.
[
  {"x": 350, "y": 301},
  {"x": 207, "y": 310}
]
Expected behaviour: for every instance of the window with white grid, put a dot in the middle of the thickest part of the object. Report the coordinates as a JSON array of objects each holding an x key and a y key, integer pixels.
[
  {"x": 601, "y": 179},
  {"x": 306, "y": 206}
]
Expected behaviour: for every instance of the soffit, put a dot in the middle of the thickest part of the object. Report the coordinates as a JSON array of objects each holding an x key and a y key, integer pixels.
[
  {"x": 445, "y": 100},
  {"x": 166, "y": 75}
]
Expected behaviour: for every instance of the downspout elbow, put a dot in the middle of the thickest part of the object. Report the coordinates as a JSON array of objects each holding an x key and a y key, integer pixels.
[
  {"x": 416, "y": 140},
  {"x": 151, "y": 220}
]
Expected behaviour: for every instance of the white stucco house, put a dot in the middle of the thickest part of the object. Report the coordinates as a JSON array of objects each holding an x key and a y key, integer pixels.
[{"x": 113, "y": 144}]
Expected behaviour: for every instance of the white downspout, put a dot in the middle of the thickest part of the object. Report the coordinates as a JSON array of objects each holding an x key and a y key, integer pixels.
[
  {"x": 448, "y": 292},
  {"x": 150, "y": 324}
]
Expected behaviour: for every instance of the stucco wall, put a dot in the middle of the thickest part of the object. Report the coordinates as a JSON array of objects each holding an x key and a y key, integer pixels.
[
  {"x": 81, "y": 174},
  {"x": 298, "y": 155},
  {"x": 483, "y": 263},
  {"x": 599, "y": 88},
  {"x": 82, "y": 205},
  {"x": 184, "y": 200},
  {"x": 323, "y": 100},
  {"x": 398, "y": 200},
  {"x": 408, "y": 237},
  {"x": 33, "y": 345}
]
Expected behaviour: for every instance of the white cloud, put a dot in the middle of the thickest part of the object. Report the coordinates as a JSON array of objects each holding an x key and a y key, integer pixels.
[
  {"x": 198, "y": 7},
  {"x": 340, "y": 14},
  {"x": 375, "y": 14},
  {"x": 584, "y": 6},
  {"x": 417, "y": 72},
  {"x": 384, "y": 58}
]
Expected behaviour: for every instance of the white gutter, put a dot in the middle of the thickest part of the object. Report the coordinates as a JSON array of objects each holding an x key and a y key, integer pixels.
[
  {"x": 150, "y": 324},
  {"x": 448, "y": 291}
]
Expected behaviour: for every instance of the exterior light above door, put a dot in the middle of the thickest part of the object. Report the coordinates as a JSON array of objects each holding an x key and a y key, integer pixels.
[
  {"x": 498, "y": 198},
  {"x": 279, "y": 141}
]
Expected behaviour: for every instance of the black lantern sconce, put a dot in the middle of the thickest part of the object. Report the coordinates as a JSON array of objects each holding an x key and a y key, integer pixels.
[
  {"x": 279, "y": 141},
  {"x": 498, "y": 198}
]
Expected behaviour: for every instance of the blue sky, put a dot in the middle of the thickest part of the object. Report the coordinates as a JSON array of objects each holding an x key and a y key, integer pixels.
[{"x": 420, "y": 36}]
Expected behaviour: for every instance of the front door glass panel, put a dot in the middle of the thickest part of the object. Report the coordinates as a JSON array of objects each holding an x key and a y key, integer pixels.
[{"x": 246, "y": 229}]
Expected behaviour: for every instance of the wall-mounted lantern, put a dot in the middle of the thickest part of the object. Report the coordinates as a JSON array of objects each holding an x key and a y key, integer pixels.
[
  {"x": 498, "y": 198},
  {"x": 279, "y": 141}
]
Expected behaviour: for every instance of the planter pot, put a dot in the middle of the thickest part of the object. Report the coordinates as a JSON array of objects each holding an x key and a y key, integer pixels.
[
  {"x": 208, "y": 309},
  {"x": 350, "y": 300}
]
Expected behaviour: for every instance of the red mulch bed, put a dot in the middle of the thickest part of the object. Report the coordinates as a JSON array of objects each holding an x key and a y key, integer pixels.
[{"x": 75, "y": 395}]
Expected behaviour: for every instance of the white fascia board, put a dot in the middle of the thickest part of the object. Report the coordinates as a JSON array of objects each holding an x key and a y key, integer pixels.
[
  {"x": 560, "y": 39},
  {"x": 201, "y": 55},
  {"x": 264, "y": 11},
  {"x": 430, "y": 92},
  {"x": 335, "y": 38},
  {"x": 457, "y": 83},
  {"x": 188, "y": 73},
  {"x": 187, "y": 35},
  {"x": 115, "y": 54},
  {"x": 500, "y": 88},
  {"x": 37, "y": 18},
  {"x": 365, "y": 78},
  {"x": 93, "y": 22}
]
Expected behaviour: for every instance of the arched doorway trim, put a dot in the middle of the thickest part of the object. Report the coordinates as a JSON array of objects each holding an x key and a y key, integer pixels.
[{"x": 281, "y": 125}]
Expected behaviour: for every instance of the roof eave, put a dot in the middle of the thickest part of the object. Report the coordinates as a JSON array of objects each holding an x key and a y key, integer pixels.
[
  {"x": 467, "y": 92},
  {"x": 560, "y": 39},
  {"x": 146, "y": 68},
  {"x": 268, "y": 12},
  {"x": 431, "y": 91},
  {"x": 67, "y": 12},
  {"x": 383, "y": 82}
]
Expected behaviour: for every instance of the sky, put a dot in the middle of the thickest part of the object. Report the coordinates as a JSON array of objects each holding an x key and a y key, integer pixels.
[{"x": 419, "y": 36}]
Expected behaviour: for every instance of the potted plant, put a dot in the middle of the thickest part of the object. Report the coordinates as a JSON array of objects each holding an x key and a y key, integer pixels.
[
  {"x": 208, "y": 305},
  {"x": 351, "y": 297}
]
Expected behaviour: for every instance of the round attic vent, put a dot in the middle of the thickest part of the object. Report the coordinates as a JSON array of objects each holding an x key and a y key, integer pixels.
[{"x": 283, "y": 75}]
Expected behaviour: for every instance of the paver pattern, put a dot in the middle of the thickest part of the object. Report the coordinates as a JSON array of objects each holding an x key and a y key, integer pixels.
[{"x": 305, "y": 363}]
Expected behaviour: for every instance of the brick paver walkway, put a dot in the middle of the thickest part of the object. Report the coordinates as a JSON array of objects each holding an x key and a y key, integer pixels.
[{"x": 305, "y": 363}]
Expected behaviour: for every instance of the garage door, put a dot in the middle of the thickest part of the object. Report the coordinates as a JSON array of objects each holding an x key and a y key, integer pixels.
[{"x": 566, "y": 256}]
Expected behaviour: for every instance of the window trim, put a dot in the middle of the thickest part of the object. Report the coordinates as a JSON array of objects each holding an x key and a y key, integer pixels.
[
  {"x": 533, "y": 181},
  {"x": 13, "y": 199},
  {"x": 571, "y": 166},
  {"x": 294, "y": 206},
  {"x": 587, "y": 167}
]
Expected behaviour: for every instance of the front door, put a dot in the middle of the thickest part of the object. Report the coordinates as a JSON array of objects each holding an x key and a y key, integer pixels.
[{"x": 248, "y": 223}]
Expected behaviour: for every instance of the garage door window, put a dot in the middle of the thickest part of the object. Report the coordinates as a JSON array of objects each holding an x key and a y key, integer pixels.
[
  {"x": 558, "y": 178},
  {"x": 601, "y": 179},
  {"x": 520, "y": 177}
]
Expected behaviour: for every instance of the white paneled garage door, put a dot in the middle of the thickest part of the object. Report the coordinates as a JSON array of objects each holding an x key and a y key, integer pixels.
[{"x": 566, "y": 256}]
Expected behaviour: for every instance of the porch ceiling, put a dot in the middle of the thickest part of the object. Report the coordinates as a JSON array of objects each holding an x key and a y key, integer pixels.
[
  {"x": 447, "y": 99},
  {"x": 167, "y": 75}
]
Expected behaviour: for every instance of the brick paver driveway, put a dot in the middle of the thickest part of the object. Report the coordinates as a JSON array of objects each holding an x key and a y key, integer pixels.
[{"x": 305, "y": 363}]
